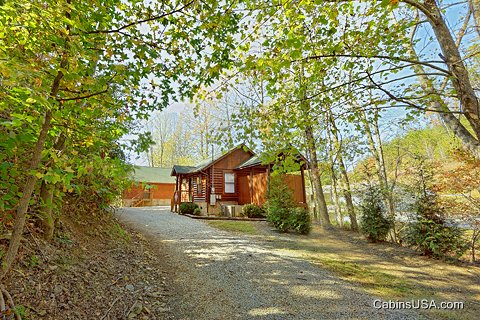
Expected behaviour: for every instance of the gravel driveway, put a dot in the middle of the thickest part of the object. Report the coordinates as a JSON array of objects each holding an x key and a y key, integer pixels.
[{"x": 220, "y": 275}]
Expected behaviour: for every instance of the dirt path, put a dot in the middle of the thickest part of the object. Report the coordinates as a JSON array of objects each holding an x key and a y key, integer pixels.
[{"x": 219, "y": 275}]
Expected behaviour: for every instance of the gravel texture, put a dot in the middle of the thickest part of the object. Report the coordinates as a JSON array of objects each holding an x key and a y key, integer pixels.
[{"x": 221, "y": 275}]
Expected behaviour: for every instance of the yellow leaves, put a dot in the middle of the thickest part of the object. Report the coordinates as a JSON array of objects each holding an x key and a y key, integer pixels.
[
  {"x": 65, "y": 189},
  {"x": 89, "y": 142},
  {"x": 37, "y": 82},
  {"x": 5, "y": 72}
]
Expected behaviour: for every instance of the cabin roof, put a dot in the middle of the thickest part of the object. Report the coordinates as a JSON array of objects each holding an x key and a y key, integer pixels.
[
  {"x": 152, "y": 175},
  {"x": 205, "y": 164},
  {"x": 253, "y": 161},
  {"x": 181, "y": 169}
]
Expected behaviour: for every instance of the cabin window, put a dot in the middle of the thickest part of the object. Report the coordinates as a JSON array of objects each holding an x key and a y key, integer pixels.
[
  {"x": 229, "y": 183},
  {"x": 198, "y": 183}
]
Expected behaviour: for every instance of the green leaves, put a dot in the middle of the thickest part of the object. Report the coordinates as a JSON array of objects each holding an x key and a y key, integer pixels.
[{"x": 98, "y": 68}]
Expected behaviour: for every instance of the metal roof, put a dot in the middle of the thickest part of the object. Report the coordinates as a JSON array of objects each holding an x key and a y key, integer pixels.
[
  {"x": 152, "y": 174},
  {"x": 181, "y": 169},
  {"x": 253, "y": 161}
]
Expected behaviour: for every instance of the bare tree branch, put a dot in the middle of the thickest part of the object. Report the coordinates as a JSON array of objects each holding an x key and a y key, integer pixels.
[
  {"x": 157, "y": 17},
  {"x": 428, "y": 64}
]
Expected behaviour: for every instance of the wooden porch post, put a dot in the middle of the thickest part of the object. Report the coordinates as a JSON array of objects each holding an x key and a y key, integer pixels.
[
  {"x": 190, "y": 193},
  {"x": 207, "y": 191},
  {"x": 175, "y": 195},
  {"x": 180, "y": 192}
]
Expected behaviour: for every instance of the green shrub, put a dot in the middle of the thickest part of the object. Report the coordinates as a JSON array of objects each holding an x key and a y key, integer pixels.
[
  {"x": 253, "y": 211},
  {"x": 279, "y": 194},
  {"x": 429, "y": 233},
  {"x": 279, "y": 218},
  {"x": 197, "y": 212},
  {"x": 374, "y": 223},
  {"x": 279, "y": 204},
  {"x": 281, "y": 210},
  {"x": 188, "y": 208},
  {"x": 300, "y": 220}
]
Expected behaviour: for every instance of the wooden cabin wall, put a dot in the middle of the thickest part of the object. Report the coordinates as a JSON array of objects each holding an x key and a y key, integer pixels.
[
  {"x": 226, "y": 165},
  {"x": 134, "y": 191},
  {"x": 253, "y": 185},
  {"x": 162, "y": 190},
  {"x": 259, "y": 186},
  {"x": 233, "y": 160},
  {"x": 295, "y": 183},
  {"x": 244, "y": 194},
  {"x": 200, "y": 196}
]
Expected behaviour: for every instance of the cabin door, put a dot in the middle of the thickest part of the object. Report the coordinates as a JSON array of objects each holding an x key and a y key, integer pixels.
[{"x": 244, "y": 196}]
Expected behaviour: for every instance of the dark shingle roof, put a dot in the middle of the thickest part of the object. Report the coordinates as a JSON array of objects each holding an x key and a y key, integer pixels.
[{"x": 181, "y": 169}]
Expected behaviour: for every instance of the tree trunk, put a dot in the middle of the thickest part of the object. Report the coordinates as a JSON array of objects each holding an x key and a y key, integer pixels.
[
  {"x": 29, "y": 186},
  {"x": 315, "y": 211},
  {"x": 338, "y": 208},
  {"x": 161, "y": 155},
  {"x": 317, "y": 183},
  {"x": 374, "y": 144},
  {"x": 347, "y": 194},
  {"x": 45, "y": 211},
  {"x": 150, "y": 157},
  {"x": 27, "y": 191},
  {"x": 451, "y": 55},
  {"x": 334, "y": 189},
  {"x": 383, "y": 168},
  {"x": 312, "y": 151},
  {"x": 475, "y": 236},
  {"x": 346, "y": 189},
  {"x": 469, "y": 142},
  {"x": 46, "y": 196},
  {"x": 475, "y": 7}
]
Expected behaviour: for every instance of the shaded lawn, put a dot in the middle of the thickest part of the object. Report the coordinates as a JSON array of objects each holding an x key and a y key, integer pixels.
[
  {"x": 247, "y": 227},
  {"x": 386, "y": 270}
]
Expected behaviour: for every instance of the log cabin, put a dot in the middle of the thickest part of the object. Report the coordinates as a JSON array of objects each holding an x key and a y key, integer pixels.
[
  {"x": 151, "y": 187},
  {"x": 230, "y": 180}
]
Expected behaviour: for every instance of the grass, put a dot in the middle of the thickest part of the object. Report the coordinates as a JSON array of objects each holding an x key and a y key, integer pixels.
[
  {"x": 401, "y": 275},
  {"x": 234, "y": 226},
  {"x": 390, "y": 278},
  {"x": 117, "y": 233},
  {"x": 373, "y": 280},
  {"x": 22, "y": 311}
]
